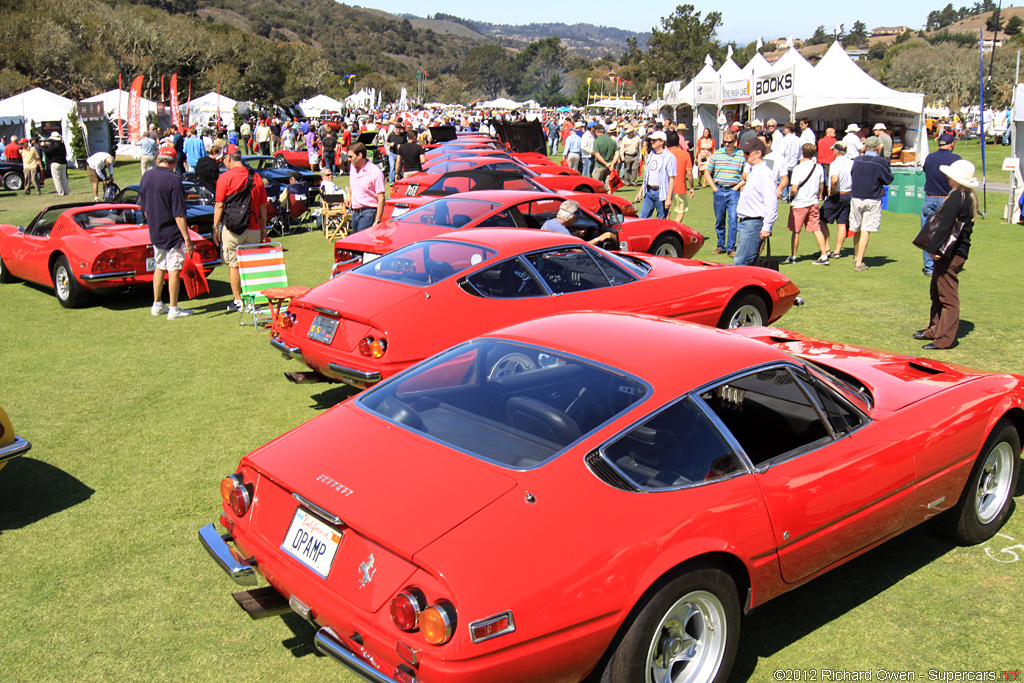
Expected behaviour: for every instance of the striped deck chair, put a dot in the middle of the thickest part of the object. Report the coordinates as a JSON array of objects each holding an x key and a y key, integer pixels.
[{"x": 260, "y": 266}]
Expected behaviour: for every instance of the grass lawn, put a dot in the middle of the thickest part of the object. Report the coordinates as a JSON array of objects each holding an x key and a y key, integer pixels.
[{"x": 136, "y": 419}]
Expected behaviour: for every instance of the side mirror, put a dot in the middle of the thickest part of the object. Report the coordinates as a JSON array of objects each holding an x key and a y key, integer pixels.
[{"x": 21, "y": 229}]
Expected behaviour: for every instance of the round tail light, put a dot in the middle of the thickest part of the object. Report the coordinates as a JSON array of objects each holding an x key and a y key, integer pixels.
[
  {"x": 285, "y": 320},
  {"x": 437, "y": 622},
  {"x": 406, "y": 608},
  {"x": 364, "y": 345},
  {"x": 236, "y": 493},
  {"x": 378, "y": 347}
]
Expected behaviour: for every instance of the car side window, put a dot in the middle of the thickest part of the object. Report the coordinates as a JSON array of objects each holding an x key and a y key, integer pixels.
[
  {"x": 509, "y": 279},
  {"x": 676, "y": 447},
  {"x": 768, "y": 414},
  {"x": 841, "y": 415},
  {"x": 502, "y": 219},
  {"x": 615, "y": 274},
  {"x": 44, "y": 223},
  {"x": 568, "y": 270}
]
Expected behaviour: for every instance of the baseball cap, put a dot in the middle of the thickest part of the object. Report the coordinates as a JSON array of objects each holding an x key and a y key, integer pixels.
[
  {"x": 231, "y": 149},
  {"x": 167, "y": 151},
  {"x": 946, "y": 138},
  {"x": 872, "y": 142},
  {"x": 657, "y": 135},
  {"x": 23, "y": 140},
  {"x": 841, "y": 146},
  {"x": 754, "y": 145}
]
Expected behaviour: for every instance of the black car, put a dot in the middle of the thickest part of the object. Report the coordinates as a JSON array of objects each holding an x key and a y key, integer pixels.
[
  {"x": 198, "y": 205},
  {"x": 13, "y": 175}
]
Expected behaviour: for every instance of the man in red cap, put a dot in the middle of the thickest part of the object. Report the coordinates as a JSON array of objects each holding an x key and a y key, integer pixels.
[
  {"x": 234, "y": 179},
  {"x": 162, "y": 199}
]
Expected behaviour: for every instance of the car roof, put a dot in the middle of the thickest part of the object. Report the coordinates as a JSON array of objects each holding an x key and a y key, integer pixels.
[
  {"x": 672, "y": 355},
  {"x": 503, "y": 197},
  {"x": 514, "y": 240}
]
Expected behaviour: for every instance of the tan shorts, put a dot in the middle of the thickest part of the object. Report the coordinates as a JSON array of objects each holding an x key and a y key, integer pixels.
[
  {"x": 865, "y": 215},
  {"x": 231, "y": 242},
  {"x": 680, "y": 202},
  {"x": 169, "y": 259},
  {"x": 805, "y": 216},
  {"x": 93, "y": 176}
]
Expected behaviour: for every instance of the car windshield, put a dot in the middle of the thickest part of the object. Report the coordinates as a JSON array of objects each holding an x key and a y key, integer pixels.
[
  {"x": 449, "y": 213},
  {"x": 104, "y": 218},
  {"x": 426, "y": 263},
  {"x": 511, "y": 404}
]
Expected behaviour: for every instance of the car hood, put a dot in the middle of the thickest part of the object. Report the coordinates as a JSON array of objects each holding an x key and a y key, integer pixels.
[
  {"x": 388, "y": 236},
  {"x": 358, "y": 297},
  {"x": 391, "y": 485}
]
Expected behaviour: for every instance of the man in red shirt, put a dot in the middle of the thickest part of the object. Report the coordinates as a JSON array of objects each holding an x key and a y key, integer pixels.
[
  {"x": 12, "y": 152},
  {"x": 825, "y": 154},
  {"x": 231, "y": 181}
]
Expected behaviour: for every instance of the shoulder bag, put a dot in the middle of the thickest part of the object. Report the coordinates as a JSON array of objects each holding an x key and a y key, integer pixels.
[{"x": 931, "y": 229}]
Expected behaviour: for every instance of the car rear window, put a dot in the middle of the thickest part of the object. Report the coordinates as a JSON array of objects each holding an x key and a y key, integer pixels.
[
  {"x": 512, "y": 404},
  {"x": 426, "y": 263},
  {"x": 104, "y": 218}
]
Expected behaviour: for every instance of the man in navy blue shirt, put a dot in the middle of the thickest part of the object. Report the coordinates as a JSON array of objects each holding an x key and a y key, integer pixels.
[
  {"x": 936, "y": 185},
  {"x": 870, "y": 175},
  {"x": 162, "y": 199}
]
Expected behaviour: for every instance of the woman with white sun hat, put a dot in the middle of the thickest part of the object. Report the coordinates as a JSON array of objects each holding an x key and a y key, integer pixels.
[{"x": 960, "y": 204}]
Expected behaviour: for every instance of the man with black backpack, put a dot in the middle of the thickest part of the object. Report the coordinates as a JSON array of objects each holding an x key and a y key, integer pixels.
[{"x": 239, "y": 215}]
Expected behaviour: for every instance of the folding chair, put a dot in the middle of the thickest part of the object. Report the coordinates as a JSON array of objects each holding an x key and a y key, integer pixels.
[
  {"x": 335, "y": 216},
  {"x": 260, "y": 267}
]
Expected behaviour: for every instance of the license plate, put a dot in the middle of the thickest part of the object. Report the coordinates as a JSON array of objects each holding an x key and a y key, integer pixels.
[
  {"x": 312, "y": 542},
  {"x": 150, "y": 265},
  {"x": 323, "y": 329},
  {"x": 411, "y": 190}
]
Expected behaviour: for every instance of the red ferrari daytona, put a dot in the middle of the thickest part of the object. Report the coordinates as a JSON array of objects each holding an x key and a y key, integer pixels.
[{"x": 605, "y": 494}]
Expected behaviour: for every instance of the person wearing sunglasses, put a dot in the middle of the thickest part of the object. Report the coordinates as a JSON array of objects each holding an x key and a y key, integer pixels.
[{"x": 758, "y": 205}]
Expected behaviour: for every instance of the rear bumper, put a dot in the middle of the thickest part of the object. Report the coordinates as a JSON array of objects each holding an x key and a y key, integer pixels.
[
  {"x": 240, "y": 570},
  {"x": 329, "y": 644},
  {"x": 351, "y": 374},
  {"x": 285, "y": 349},
  {"x": 13, "y": 450}
]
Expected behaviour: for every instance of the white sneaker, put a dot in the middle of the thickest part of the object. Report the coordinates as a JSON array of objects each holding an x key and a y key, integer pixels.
[
  {"x": 235, "y": 307},
  {"x": 176, "y": 312},
  {"x": 159, "y": 308},
  {"x": 95, "y": 199}
]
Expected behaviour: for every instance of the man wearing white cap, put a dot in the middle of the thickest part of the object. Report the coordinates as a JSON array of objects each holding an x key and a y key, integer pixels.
[
  {"x": 659, "y": 178},
  {"x": 854, "y": 145},
  {"x": 879, "y": 132}
]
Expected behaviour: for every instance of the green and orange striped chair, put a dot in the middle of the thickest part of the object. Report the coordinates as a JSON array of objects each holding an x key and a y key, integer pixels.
[{"x": 260, "y": 268}]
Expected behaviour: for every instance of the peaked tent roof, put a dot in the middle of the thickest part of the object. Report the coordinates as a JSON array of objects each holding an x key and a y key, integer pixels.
[
  {"x": 758, "y": 65},
  {"x": 317, "y": 104},
  {"x": 729, "y": 71},
  {"x": 801, "y": 67},
  {"x": 838, "y": 80},
  {"x": 111, "y": 98},
  {"x": 36, "y": 105}
]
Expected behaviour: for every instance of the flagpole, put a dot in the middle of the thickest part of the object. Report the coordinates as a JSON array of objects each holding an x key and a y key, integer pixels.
[{"x": 981, "y": 116}]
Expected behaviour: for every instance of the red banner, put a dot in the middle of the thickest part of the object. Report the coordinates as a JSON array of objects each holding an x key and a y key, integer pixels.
[
  {"x": 135, "y": 111},
  {"x": 175, "y": 109}
]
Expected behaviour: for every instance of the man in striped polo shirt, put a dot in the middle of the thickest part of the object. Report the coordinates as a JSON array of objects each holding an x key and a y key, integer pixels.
[{"x": 724, "y": 173}]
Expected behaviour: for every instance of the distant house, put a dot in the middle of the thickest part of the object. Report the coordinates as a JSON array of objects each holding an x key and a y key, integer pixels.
[
  {"x": 857, "y": 54},
  {"x": 785, "y": 44},
  {"x": 889, "y": 31}
]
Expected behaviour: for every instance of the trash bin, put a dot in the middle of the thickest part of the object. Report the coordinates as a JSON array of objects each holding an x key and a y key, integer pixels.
[{"x": 912, "y": 196}]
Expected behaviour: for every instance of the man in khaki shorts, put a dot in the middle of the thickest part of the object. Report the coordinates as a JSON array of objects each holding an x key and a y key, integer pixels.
[
  {"x": 230, "y": 182},
  {"x": 870, "y": 175}
]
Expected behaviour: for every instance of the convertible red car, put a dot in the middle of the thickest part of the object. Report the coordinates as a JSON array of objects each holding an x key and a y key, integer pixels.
[
  {"x": 415, "y": 184},
  {"x": 367, "y": 324},
  {"x": 81, "y": 248},
  {"x": 478, "y": 180},
  {"x": 513, "y": 209},
  {"x": 605, "y": 494}
]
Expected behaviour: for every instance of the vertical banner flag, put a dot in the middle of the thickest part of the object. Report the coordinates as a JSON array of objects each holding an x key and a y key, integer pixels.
[
  {"x": 175, "y": 109},
  {"x": 135, "y": 111}
]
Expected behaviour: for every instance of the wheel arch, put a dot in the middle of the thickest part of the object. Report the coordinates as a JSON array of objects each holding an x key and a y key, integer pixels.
[
  {"x": 1016, "y": 417},
  {"x": 761, "y": 292},
  {"x": 52, "y": 261}
]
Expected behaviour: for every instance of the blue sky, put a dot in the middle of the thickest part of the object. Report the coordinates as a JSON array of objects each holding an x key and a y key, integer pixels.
[{"x": 742, "y": 20}]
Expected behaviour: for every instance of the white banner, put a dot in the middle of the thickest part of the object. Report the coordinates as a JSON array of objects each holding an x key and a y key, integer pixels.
[
  {"x": 773, "y": 86},
  {"x": 671, "y": 92},
  {"x": 736, "y": 92},
  {"x": 706, "y": 92}
]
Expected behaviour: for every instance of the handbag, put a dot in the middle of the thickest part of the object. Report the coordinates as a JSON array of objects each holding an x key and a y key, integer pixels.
[
  {"x": 193, "y": 276},
  {"x": 766, "y": 261},
  {"x": 930, "y": 230}
]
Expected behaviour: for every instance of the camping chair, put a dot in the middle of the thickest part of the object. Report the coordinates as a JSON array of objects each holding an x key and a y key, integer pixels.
[
  {"x": 335, "y": 216},
  {"x": 281, "y": 220},
  {"x": 261, "y": 268}
]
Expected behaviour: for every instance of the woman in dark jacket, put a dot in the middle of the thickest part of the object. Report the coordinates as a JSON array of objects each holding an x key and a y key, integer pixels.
[{"x": 960, "y": 204}]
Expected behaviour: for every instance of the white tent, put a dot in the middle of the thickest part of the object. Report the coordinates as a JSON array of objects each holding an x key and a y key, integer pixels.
[
  {"x": 363, "y": 98},
  {"x": 780, "y": 106},
  {"x": 112, "y": 99},
  {"x": 500, "y": 103},
  {"x": 611, "y": 103},
  {"x": 703, "y": 94},
  {"x": 44, "y": 108},
  {"x": 840, "y": 92},
  {"x": 314, "y": 106},
  {"x": 757, "y": 65},
  {"x": 203, "y": 110}
]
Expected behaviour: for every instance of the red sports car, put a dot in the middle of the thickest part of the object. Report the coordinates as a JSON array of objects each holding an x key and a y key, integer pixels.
[
  {"x": 497, "y": 155},
  {"x": 80, "y": 248},
  {"x": 478, "y": 180},
  {"x": 414, "y": 185},
  {"x": 283, "y": 158},
  {"x": 368, "y": 324},
  {"x": 512, "y": 209},
  {"x": 605, "y": 494}
]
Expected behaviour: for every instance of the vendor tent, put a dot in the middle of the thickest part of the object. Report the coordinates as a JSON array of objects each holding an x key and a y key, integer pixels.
[
  {"x": 202, "y": 111},
  {"x": 115, "y": 103},
  {"x": 773, "y": 91},
  {"x": 613, "y": 103},
  {"x": 47, "y": 110},
  {"x": 315, "y": 106},
  {"x": 703, "y": 94},
  {"x": 500, "y": 103},
  {"x": 363, "y": 98}
]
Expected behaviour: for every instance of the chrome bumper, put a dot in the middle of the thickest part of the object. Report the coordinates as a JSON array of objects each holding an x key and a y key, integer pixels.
[
  {"x": 799, "y": 301},
  {"x": 19, "y": 447},
  {"x": 243, "y": 573},
  {"x": 288, "y": 351},
  {"x": 354, "y": 375},
  {"x": 330, "y": 645},
  {"x": 90, "y": 277}
]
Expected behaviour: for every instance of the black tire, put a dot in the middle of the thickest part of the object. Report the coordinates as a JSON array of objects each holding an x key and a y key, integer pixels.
[
  {"x": 745, "y": 310},
  {"x": 660, "y": 638},
  {"x": 5, "y": 275},
  {"x": 987, "y": 498},
  {"x": 280, "y": 161},
  {"x": 13, "y": 181},
  {"x": 667, "y": 245},
  {"x": 584, "y": 188},
  {"x": 69, "y": 290}
]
